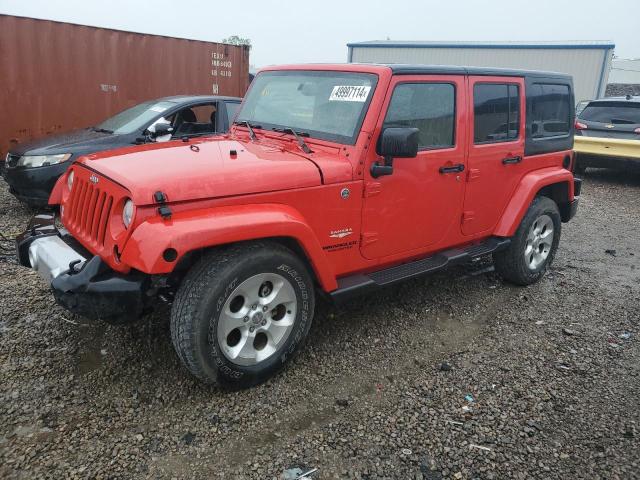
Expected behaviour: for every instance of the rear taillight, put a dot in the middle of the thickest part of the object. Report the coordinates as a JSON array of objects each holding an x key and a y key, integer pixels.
[{"x": 580, "y": 126}]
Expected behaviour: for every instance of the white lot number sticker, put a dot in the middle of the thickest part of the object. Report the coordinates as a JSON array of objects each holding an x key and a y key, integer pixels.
[
  {"x": 157, "y": 108},
  {"x": 349, "y": 93}
]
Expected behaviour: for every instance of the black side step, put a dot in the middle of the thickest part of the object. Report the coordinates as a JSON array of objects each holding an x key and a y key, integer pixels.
[{"x": 356, "y": 284}]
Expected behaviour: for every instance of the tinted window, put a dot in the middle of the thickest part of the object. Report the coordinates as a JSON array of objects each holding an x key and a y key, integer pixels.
[
  {"x": 232, "y": 110},
  {"x": 496, "y": 110},
  {"x": 612, "y": 112},
  {"x": 551, "y": 110},
  {"x": 429, "y": 107},
  {"x": 581, "y": 106}
]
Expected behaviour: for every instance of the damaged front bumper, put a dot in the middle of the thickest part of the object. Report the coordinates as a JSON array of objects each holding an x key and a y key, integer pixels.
[{"x": 82, "y": 283}]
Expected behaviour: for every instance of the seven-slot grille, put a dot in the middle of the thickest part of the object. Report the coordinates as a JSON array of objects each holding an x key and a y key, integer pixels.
[{"x": 87, "y": 211}]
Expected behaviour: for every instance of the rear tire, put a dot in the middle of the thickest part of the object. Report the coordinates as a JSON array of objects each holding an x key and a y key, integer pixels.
[
  {"x": 533, "y": 246},
  {"x": 242, "y": 313}
]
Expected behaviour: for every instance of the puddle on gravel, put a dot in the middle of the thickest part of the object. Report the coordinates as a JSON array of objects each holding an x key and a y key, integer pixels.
[
  {"x": 89, "y": 348},
  {"x": 4, "y": 328},
  {"x": 437, "y": 336}
]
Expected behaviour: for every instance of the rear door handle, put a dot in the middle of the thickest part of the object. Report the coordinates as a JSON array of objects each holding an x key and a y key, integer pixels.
[
  {"x": 511, "y": 160},
  {"x": 457, "y": 168}
]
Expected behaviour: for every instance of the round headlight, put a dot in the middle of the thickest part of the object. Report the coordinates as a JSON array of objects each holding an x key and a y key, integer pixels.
[
  {"x": 70, "y": 180},
  {"x": 127, "y": 213}
]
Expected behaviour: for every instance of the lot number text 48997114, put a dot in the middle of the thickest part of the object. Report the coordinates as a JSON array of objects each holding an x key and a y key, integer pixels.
[{"x": 349, "y": 93}]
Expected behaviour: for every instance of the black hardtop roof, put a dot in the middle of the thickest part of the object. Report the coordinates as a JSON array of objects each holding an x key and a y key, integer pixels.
[
  {"x": 407, "y": 69},
  {"x": 195, "y": 98}
]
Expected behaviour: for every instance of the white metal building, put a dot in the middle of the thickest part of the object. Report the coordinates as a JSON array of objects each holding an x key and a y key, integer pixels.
[
  {"x": 588, "y": 62},
  {"x": 625, "y": 71}
]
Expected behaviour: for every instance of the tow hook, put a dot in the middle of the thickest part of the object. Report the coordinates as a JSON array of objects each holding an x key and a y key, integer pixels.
[{"x": 72, "y": 267}]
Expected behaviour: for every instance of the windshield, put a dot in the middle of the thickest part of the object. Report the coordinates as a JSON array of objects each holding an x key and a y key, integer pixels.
[
  {"x": 324, "y": 105},
  {"x": 612, "y": 112},
  {"x": 135, "y": 119}
]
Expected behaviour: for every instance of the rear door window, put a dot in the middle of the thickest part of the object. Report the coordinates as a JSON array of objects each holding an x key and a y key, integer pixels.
[
  {"x": 551, "y": 110},
  {"x": 616, "y": 113},
  {"x": 496, "y": 110},
  {"x": 429, "y": 107}
]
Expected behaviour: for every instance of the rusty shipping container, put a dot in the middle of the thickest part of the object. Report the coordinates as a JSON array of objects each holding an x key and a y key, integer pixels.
[{"x": 58, "y": 76}]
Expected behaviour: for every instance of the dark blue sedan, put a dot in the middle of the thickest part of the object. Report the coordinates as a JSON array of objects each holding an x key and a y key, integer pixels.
[{"x": 32, "y": 168}]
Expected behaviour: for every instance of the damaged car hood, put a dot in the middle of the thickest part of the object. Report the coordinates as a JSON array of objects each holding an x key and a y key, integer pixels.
[{"x": 204, "y": 169}]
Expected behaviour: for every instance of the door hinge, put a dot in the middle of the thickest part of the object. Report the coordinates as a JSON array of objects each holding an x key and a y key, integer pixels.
[
  {"x": 371, "y": 189},
  {"x": 474, "y": 174},
  {"x": 368, "y": 238}
]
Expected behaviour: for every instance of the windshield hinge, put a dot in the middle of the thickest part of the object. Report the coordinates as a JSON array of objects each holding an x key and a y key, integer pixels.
[
  {"x": 371, "y": 189},
  {"x": 367, "y": 238}
]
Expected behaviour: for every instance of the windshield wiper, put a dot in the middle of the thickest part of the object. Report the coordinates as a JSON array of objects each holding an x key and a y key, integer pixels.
[
  {"x": 249, "y": 126},
  {"x": 101, "y": 130},
  {"x": 303, "y": 145}
]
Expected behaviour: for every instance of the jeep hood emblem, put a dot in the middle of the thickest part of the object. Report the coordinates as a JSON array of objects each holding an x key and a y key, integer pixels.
[{"x": 93, "y": 179}]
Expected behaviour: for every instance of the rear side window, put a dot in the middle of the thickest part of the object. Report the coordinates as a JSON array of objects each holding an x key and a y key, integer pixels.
[
  {"x": 551, "y": 110},
  {"x": 496, "y": 110},
  {"x": 429, "y": 107},
  {"x": 617, "y": 113}
]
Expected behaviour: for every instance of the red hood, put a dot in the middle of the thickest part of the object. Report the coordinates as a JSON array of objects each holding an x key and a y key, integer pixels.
[{"x": 205, "y": 169}]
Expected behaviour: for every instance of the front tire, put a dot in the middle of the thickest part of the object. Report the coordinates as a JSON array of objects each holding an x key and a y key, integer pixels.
[
  {"x": 242, "y": 313},
  {"x": 533, "y": 246}
]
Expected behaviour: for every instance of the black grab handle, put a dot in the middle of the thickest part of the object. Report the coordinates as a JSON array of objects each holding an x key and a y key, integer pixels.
[
  {"x": 457, "y": 168},
  {"x": 511, "y": 160}
]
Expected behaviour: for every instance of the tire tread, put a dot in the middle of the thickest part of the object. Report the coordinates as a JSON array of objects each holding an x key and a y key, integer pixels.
[{"x": 185, "y": 313}]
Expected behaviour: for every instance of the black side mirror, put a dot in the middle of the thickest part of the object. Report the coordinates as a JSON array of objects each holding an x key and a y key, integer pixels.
[
  {"x": 395, "y": 142},
  {"x": 162, "y": 129}
]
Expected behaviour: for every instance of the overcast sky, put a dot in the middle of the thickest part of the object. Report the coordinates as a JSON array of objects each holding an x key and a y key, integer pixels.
[{"x": 318, "y": 31}]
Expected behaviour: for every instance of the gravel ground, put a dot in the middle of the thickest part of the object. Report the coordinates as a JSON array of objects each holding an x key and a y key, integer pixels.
[{"x": 455, "y": 376}]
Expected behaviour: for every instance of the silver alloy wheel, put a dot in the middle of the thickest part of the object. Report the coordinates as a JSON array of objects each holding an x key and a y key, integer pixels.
[
  {"x": 539, "y": 242},
  {"x": 257, "y": 318}
]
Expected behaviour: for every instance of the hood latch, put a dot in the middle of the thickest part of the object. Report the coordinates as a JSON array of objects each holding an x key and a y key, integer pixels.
[{"x": 163, "y": 209}]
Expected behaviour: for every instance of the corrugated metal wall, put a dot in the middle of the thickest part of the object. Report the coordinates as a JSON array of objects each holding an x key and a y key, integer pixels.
[
  {"x": 589, "y": 67},
  {"x": 59, "y": 76}
]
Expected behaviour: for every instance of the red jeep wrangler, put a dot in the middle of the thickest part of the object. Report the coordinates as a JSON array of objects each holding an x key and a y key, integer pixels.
[{"x": 335, "y": 178}]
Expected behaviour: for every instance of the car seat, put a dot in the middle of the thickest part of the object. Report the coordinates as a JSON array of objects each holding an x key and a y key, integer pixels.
[{"x": 185, "y": 119}]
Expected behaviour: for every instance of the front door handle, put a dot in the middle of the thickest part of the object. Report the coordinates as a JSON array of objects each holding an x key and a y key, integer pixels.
[
  {"x": 511, "y": 160},
  {"x": 457, "y": 168}
]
